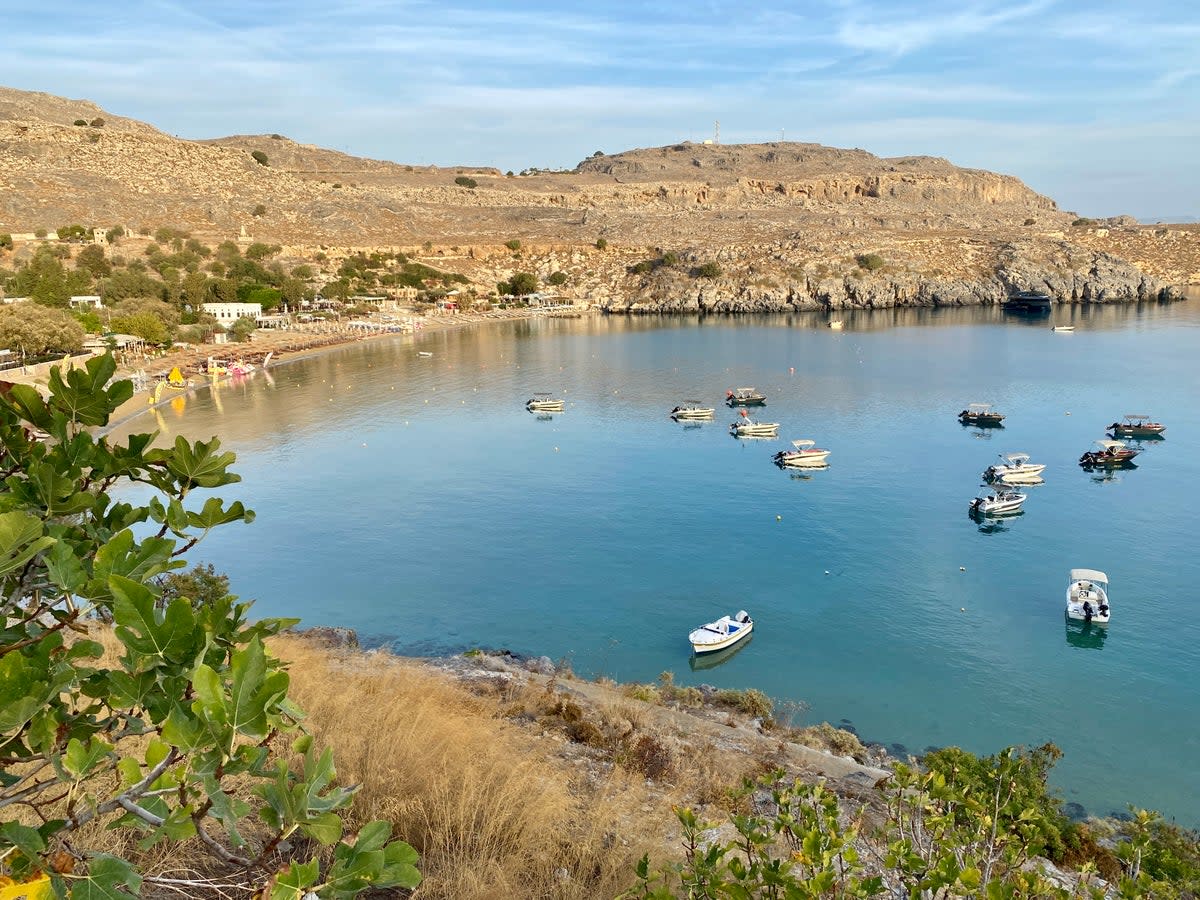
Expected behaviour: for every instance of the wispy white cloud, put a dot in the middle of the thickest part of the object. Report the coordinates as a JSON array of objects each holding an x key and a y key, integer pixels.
[{"x": 878, "y": 29}]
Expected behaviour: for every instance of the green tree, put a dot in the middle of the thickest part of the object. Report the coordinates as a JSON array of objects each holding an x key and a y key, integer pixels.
[
  {"x": 464, "y": 181},
  {"x": 127, "y": 283},
  {"x": 147, "y": 326},
  {"x": 259, "y": 157},
  {"x": 195, "y": 289},
  {"x": 37, "y": 331},
  {"x": 523, "y": 284},
  {"x": 203, "y": 585},
  {"x": 171, "y": 741},
  {"x": 91, "y": 259},
  {"x": 6, "y": 242},
  {"x": 708, "y": 270},
  {"x": 258, "y": 250},
  {"x": 75, "y": 234},
  {"x": 557, "y": 278},
  {"x": 241, "y": 329},
  {"x": 871, "y": 262},
  {"x": 259, "y": 210}
]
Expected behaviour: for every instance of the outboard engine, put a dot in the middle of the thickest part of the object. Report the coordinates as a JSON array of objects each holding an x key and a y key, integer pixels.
[
  {"x": 742, "y": 616},
  {"x": 1104, "y": 609},
  {"x": 1087, "y": 611}
]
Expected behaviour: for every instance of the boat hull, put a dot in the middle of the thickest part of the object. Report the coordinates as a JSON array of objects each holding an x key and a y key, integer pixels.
[
  {"x": 725, "y": 643},
  {"x": 1136, "y": 430},
  {"x": 802, "y": 460},
  {"x": 746, "y": 401}
]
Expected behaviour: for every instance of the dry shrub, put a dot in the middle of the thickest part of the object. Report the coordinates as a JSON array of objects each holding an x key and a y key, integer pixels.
[
  {"x": 752, "y": 702},
  {"x": 647, "y": 755},
  {"x": 490, "y": 815},
  {"x": 835, "y": 740},
  {"x": 647, "y": 693},
  {"x": 586, "y": 733}
]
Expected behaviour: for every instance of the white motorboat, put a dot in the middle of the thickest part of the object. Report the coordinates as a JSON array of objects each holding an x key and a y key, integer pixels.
[
  {"x": 1064, "y": 329},
  {"x": 1015, "y": 468},
  {"x": 691, "y": 409},
  {"x": 1018, "y": 478},
  {"x": 545, "y": 403},
  {"x": 807, "y": 453},
  {"x": 1087, "y": 596},
  {"x": 836, "y": 324},
  {"x": 997, "y": 500},
  {"x": 744, "y": 396},
  {"x": 723, "y": 633},
  {"x": 747, "y": 427}
]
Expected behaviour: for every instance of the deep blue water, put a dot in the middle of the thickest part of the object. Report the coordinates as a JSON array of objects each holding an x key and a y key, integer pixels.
[{"x": 415, "y": 500}]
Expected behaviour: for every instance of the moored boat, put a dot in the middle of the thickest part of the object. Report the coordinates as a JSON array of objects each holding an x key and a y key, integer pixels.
[
  {"x": 1028, "y": 301},
  {"x": 836, "y": 324},
  {"x": 997, "y": 500},
  {"x": 744, "y": 396},
  {"x": 1087, "y": 596},
  {"x": 545, "y": 403},
  {"x": 807, "y": 453},
  {"x": 691, "y": 409},
  {"x": 1108, "y": 455},
  {"x": 721, "y": 634},
  {"x": 1015, "y": 467},
  {"x": 176, "y": 380},
  {"x": 980, "y": 414},
  {"x": 1136, "y": 425},
  {"x": 1064, "y": 329},
  {"x": 747, "y": 427}
]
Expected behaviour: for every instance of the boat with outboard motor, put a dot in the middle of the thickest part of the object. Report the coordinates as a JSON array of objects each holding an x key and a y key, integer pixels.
[
  {"x": 1087, "y": 596},
  {"x": 1063, "y": 329},
  {"x": 744, "y": 396},
  {"x": 1110, "y": 455},
  {"x": 997, "y": 500},
  {"x": 545, "y": 403},
  {"x": 721, "y": 634},
  {"x": 806, "y": 454},
  {"x": 1136, "y": 425},
  {"x": 1015, "y": 468},
  {"x": 691, "y": 409},
  {"x": 980, "y": 414},
  {"x": 747, "y": 427}
]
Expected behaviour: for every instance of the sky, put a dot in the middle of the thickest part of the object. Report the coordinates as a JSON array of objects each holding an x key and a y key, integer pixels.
[{"x": 1096, "y": 104}]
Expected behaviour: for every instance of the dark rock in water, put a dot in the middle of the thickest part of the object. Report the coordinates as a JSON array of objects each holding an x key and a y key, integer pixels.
[
  {"x": 1122, "y": 815},
  {"x": 898, "y": 750},
  {"x": 1076, "y": 812},
  {"x": 845, "y": 725},
  {"x": 932, "y": 748},
  {"x": 331, "y": 636}
]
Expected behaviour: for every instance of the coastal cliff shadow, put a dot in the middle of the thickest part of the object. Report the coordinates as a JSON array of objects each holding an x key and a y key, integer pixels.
[{"x": 700, "y": 662}]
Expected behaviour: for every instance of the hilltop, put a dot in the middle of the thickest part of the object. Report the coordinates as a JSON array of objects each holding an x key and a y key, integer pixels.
[{"x": 780, "y": 225}]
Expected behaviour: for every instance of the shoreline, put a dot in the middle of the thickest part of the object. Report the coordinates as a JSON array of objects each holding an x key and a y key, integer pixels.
[{"x": 318, "y": 342}]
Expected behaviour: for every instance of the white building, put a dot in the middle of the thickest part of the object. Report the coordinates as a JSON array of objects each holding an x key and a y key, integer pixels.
[
  {"x": 85, "y": 301},
  {"x": 228, "y": 313}
]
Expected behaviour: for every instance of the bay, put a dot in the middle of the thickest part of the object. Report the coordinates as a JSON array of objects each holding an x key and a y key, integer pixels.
[{"x": 415, "y": 500}]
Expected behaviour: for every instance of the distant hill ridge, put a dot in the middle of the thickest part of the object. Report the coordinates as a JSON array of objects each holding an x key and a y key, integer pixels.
[{"x": 785, "y": 221}]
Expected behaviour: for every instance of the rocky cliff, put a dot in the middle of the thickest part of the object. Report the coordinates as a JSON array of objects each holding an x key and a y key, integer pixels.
[{"x": 788, "y": 224}]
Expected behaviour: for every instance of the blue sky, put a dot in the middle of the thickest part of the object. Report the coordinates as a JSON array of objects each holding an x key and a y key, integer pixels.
[{"x": 1095, "y": 104}]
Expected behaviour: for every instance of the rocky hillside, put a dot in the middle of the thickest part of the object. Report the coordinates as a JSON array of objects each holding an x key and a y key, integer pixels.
[{"x": 688, "y": 226}]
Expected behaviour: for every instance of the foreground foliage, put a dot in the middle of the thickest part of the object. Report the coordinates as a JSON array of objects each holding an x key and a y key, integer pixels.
[
  {"x": 965, "y": 826},
  {"x": 181, "y": 738}
]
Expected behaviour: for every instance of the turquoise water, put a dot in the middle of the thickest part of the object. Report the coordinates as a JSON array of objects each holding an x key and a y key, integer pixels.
[{"x": 415, "y": 500}]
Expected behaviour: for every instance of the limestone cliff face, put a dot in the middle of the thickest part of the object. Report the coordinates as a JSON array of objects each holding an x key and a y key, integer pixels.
[{"x": 785, "y": 221}]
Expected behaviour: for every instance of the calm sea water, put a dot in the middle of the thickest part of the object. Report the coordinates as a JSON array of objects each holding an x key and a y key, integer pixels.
[{"x": 415, "y": 500}]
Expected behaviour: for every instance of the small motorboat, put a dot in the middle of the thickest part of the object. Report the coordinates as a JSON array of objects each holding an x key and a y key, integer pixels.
[
  {"x": 747, "y": 427},
  {"x": 1087, "y": 596},
  {"x": 836, "y": 324},
  {"x": 239, "y": 369},
  {"x": 997, "y": 500},
  {"x": 980, "y": 414},
  {"x": 424, "y": 353},
  {"x": 721, "y": 634},
  {"x": 1064, "y": 329},
  {"x": 806, "y": 454},
  {"x": 745, "y": 396},
  {"x": 1136, "y": 425},
  {"x": 1109, "y": 455},
  {"x": 545, "y": 403},
  {"x": 1014, "y": 469},
  {"x": 691, "y": 409}
]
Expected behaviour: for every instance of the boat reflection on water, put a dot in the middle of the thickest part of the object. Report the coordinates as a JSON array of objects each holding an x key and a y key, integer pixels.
[
  {"x": 994, "y": 524},
  {"x": 1086, "y": 635},
  {"x": 983, "y": 432},
  {"x": 1109, "y": 476},
  {"x": 807, "y": 473},
  {"x": 700, "y": 661}
]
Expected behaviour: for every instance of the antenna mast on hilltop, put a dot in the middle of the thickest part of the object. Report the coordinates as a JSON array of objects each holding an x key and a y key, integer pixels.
[{"x": 717, "y": 132}]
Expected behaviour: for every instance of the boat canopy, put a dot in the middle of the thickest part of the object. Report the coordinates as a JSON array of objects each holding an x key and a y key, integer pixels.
[
  {"x": 978, "y": 407},
  {"x": 1088, "y": 575},
  {"x": 803, "y": 445},
  {"x": 1136, "y": 417},
  {"x": 1110, "y": 445},
  {"x": 1015, "y": 459}
]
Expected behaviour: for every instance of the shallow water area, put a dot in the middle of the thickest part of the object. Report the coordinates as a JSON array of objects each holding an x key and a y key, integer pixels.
[{"x": 414, "y": 499}]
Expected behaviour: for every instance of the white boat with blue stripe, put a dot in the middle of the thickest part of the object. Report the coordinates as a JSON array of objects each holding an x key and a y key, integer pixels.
[{"x": 721, "y": 634}]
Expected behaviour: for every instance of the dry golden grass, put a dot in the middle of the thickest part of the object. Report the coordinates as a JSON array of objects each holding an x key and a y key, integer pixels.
[{"x": 492, "y": 812}]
